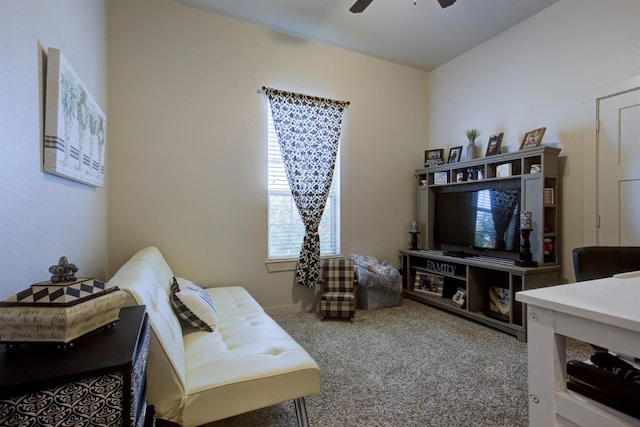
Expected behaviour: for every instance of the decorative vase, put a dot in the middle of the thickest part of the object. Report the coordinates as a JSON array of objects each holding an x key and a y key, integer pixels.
[{"x": 471, "y": 150}]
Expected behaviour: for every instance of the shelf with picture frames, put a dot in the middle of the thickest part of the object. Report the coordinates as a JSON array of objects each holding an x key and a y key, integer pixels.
[{"x": 475, "y": 282}]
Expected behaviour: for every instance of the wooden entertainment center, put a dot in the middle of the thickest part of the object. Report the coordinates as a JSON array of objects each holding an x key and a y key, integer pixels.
[{"x": 481, "y": 284}]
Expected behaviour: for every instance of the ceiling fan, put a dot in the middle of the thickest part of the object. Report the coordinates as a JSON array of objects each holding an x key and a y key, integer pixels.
[{"x": 360, "y": 5}]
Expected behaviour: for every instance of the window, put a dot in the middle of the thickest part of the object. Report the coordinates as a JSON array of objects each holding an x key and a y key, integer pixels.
[{"x": 286, "y": 229}]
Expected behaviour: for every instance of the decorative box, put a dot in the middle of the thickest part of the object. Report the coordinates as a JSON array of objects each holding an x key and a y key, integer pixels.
[
  {"x": 503, "y": 170},
  {"x": 59, "y": 312},
  {"x": 61, "y": 292},
  {"x": 441, "y": 177}
]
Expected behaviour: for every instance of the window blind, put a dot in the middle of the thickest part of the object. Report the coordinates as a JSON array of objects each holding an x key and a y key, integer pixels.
[{"x": 286, "y": 229}]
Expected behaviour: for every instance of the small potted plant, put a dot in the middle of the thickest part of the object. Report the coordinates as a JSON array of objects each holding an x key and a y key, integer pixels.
[{"x": 472, "y": 134}]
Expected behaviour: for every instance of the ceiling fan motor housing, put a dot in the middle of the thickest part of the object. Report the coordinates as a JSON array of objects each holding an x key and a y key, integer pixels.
[{"x": 360, "y": 5}]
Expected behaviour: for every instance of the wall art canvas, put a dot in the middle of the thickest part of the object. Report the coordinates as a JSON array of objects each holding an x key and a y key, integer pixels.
[{"x": 75, "y": 126}]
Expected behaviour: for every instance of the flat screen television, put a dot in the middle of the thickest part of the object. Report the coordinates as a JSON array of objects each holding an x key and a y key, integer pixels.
[{"x": 478, "y": 220}]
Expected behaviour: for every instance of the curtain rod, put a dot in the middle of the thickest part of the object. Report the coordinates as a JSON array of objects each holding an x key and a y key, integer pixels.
[{"x": 264, "y": 88}]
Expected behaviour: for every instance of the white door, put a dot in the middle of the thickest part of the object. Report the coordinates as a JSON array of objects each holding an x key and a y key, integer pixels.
[{"x": 618, "y": 174}]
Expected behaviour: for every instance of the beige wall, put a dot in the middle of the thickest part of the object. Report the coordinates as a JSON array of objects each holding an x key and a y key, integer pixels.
[
  {"x": 43, "y": 217},
  {"x": 547, "y": 71},
  {"x": 188, "y": 154}
]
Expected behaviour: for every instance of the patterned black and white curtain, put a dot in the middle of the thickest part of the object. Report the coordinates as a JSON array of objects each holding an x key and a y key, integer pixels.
[{"x": 308, "y": 131}]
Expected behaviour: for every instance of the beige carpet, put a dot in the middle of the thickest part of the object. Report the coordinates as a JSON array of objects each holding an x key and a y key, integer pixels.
[{"x": 411, "y": 365}]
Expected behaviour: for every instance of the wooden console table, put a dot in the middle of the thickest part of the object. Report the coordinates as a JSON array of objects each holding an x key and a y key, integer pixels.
[
  {"x": 100, "y": 381},
  {"x": 603, "y": 312}
]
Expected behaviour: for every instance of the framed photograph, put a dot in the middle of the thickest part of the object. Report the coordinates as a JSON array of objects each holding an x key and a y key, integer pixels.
[
  {"x": 493, "y": 147},
  {"x": 460, "y": 297},
  {"x": 433, "y": 157},
  {"x": 532, "y": 138},
  {"x": 454, "y": 154},
  {"x": 547, "y": 196},
  {"x": 499, "y": 300},
  {"x": 431, "y": 284}
]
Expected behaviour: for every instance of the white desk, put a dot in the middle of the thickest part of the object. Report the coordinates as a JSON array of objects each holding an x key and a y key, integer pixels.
[{"x": 604, "y": 312}]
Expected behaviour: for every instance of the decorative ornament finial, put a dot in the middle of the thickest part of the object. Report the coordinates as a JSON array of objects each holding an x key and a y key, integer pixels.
[{"x": 64, "y": 271}]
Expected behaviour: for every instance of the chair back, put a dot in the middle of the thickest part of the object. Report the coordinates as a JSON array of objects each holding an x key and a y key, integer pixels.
[
  {"x": 338, "y": 275},
  {"x": 597, "y": 262}
]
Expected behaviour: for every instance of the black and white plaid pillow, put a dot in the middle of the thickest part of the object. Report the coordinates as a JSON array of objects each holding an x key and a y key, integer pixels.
[{"x": 193, "y": 304}]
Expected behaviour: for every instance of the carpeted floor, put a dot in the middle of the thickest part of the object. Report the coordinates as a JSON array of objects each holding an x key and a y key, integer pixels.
[{"x": 411, "y": 365}]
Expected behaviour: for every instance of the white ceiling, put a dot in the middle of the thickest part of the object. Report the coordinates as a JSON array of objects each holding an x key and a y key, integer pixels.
[{"x": 423, "y": 35}]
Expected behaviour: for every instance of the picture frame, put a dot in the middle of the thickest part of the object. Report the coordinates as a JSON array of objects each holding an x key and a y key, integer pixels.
[
  {"x": 75, "y": 126},
  {"x": 433, "y": 157},
  {"x": 493, "y": 146},
  {"x": 454, "y": 154},
  {"x": 499, "y": 300},
  {"x": 460, "y": 297},
  {"x": 533, "y": 138},
  {"x": 431, "y": 284},
  {"x": 547, "y": 196}
]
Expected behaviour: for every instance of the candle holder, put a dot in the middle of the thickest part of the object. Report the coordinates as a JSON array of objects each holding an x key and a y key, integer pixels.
[
  {"x": 414, "y": 240},
  {"x": 526, "y": 258}
]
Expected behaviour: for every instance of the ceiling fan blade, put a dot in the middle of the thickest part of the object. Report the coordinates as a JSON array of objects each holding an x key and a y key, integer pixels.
[
  {"x": 446, "y": 3},
  {"x": 360, "y": 5}
]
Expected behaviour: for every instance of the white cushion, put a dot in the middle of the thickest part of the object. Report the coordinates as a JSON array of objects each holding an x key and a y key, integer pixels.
[
  {"x": 248, "y": 355},
  {"x": 193, "y": 304}
]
